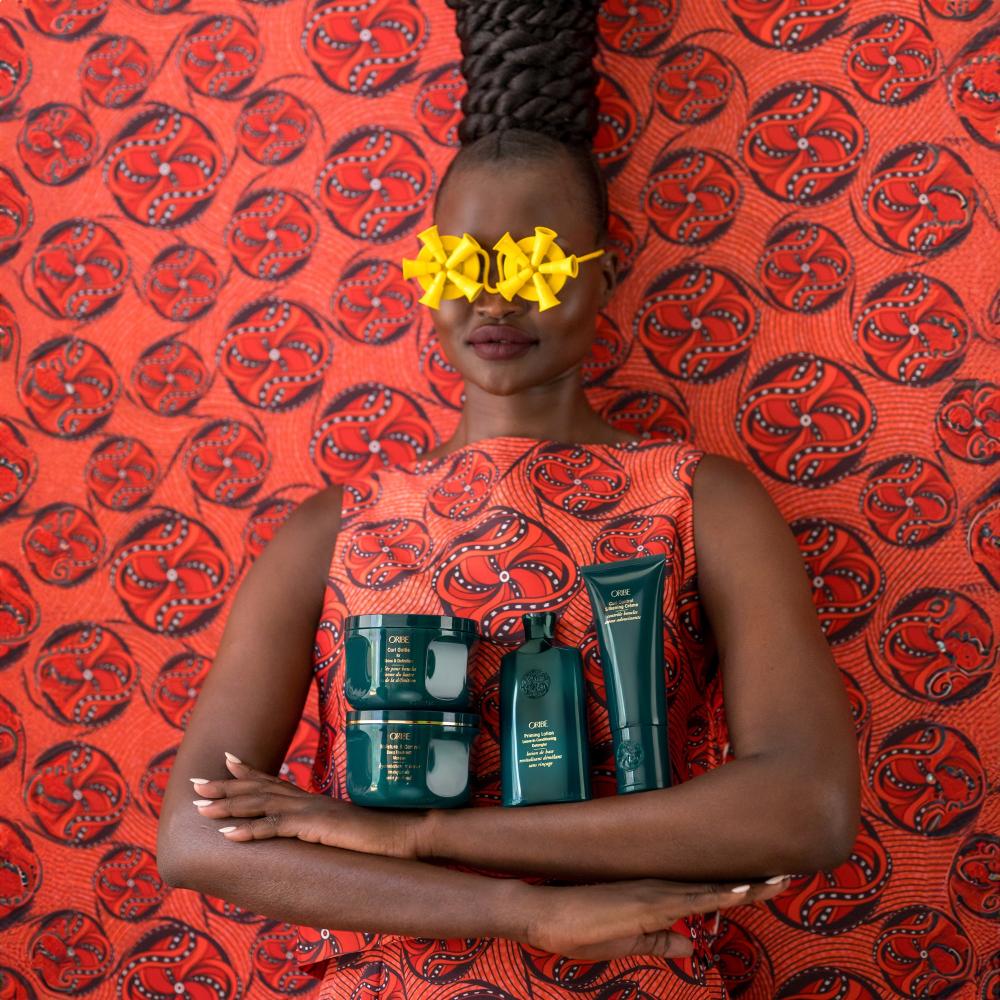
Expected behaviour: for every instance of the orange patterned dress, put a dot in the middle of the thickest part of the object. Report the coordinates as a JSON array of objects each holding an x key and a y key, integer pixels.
[{"x": 489, "y": 531}]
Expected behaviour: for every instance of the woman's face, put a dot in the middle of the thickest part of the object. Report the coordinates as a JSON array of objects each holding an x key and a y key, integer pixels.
[{"x": 505, "y": 347}]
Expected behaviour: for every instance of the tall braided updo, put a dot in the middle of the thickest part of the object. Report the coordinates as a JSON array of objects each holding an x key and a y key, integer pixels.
[{"x": 528, "y": 66}]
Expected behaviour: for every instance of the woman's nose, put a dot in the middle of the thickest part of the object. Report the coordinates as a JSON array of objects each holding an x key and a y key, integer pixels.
[{"x": 495, "y": 306}]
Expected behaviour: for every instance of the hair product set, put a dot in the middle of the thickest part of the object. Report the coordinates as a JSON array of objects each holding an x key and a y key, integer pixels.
[{"x": 410, "y": 735}]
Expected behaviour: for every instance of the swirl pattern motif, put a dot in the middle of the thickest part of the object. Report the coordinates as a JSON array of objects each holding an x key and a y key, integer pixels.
[
  {"x": 578, "y": 481},
  {"x": 164, "y": 168},
  {"x": 913, "y": 329},
  {"x": 372, "y": 305},
  {"x": 938, "y": 646},
  {"x": 922, "y": 199},
  {"x": 974, "y": 876},
  {"x": 85, "y": 675},
  {"x": 692, "y": 196},
  {"x": 272, "y": 234},
  {"x": 177, "y": 685},
  {"x": 219, "y": 55},
  {"x": 274, "y": 354},
  {"x": 79, "y": 271},
  {"x": 274, "y": 127},
  {"x": 375, "y": 184},
  {"x": 892, "y": 60},
  {"x": 504, "y": 565},
  {"x": 58, "y": 143},
  {"x": 182, "y": 283},
  {"x": 169, "y": 378},
  {"x": 63, "y": 545},
  {"x": 693, "y": 84},
  {"x": 805, "y": 420},
  {"x": 923, "y": 952},
  {"x": 69, "y": 387},
  {"x": 696, "y": 323},
  {"x": 171, "y": 574},
  {"x": 16, "y": 218},
  {"x": 847, "y": 582},
  {"x": 909, "y": 500},
  {"x": 465, "y": 488},
  {"x": 116, "y": 71},
  {"x": 830, "y": 903},
  {"x": 19, "y": 859},
  {"x": 805, "y": 267},
  {"x": 928, "y": 778},
  {"x": 76, "y": 793},
  {"x": 127, "y": 884},
  {"x": 369, "y": 426},
  {"x": 803, "y": 143},
  {"x": 364, "y": 48}
]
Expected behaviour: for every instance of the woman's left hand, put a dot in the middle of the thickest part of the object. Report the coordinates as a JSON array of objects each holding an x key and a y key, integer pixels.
[{"x": 280, "y": 809}]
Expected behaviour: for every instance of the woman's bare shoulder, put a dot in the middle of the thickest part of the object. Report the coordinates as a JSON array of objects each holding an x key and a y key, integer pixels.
[{"x": 302, "y": 547}]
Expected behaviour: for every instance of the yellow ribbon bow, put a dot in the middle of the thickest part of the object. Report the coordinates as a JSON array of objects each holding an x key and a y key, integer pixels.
[{"x": 535, "y": 267}]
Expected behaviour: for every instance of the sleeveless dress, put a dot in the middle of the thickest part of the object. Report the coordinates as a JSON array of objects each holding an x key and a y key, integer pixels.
[{"x": 489, "y": 531}]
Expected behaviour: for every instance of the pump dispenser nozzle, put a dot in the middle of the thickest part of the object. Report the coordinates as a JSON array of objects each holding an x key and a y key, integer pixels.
[{"x": 539, "y": 624}]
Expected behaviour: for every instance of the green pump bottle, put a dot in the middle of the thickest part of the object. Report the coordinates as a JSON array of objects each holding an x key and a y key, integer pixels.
[{"x": 543, "y": 719}]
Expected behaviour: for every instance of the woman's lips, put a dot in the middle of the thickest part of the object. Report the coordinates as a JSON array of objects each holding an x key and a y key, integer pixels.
[{"x": 499, "y": 343}]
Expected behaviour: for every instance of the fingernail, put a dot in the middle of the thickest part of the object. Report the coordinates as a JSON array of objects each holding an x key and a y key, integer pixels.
[
  {"x": 226, "y": 829},
  {"x": 741, "y": 888},
  {"x": 199, "y": 781},
  {"x": 202, "y": 802},
  {"x": 232, "y": 757},
  {"x": 777, "y": 879}
]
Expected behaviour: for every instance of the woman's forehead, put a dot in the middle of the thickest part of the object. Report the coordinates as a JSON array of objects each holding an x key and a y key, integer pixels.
[{"x": 487, "y": 200}]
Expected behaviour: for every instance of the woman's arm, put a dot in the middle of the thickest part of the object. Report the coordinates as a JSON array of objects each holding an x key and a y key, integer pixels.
[
  {"x": 790, "y": 800},
  {"x": 251, "y": 704}
]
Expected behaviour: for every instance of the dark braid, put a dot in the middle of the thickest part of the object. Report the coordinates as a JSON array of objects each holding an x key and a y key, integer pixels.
[{"x": 528, "y": 65}]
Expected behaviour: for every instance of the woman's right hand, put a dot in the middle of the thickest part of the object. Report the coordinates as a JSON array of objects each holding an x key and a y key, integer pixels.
[{"x": 613, "y": 919}]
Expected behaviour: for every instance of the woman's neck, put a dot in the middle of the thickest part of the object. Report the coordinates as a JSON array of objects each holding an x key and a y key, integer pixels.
[{"x": 564, "y": 415}]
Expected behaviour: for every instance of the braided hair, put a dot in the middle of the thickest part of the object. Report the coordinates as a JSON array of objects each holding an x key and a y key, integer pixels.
[{"x": 528, "y": 66}]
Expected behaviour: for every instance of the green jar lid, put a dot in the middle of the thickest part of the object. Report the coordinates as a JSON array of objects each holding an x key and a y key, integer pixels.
[
  {"x": 439, "y": 622},
  {"x": 404, "y": 717}
]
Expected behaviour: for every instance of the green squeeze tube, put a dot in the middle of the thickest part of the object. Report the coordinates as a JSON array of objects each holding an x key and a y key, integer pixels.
[
  {"x": 627, "y": 598},
  {"x": 543, "y": 719}
]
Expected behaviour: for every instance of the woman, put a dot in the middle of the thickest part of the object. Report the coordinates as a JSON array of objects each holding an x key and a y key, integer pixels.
[{"x": 788, "y": 802}]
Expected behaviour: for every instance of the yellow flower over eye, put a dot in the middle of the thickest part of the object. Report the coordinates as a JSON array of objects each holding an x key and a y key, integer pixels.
[
  {"x": 447, "y": 267},
  {"x": 534, "y": 268}
]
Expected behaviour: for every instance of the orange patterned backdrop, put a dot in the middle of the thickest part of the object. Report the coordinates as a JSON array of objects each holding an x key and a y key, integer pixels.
[{"x": 202, "y": 208}]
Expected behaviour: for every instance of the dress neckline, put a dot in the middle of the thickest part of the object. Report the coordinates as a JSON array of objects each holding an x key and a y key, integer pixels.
[{"x": 507, "y": 444}]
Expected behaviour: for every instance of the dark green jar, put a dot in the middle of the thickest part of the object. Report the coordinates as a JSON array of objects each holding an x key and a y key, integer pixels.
[
  {"x": 408, "y": 661},
  {"x": 409, "y": 760}
]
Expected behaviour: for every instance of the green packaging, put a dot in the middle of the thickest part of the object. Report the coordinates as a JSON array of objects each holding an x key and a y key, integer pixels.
[
  {"x": 408, "y": 661},
  {"x": 409, "y": 760},
  {"x": 627, "y": 599},
  {"x": 543, "y": 719}
]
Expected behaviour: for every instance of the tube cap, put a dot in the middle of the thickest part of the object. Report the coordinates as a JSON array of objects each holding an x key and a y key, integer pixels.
[{"x": 642, "y": 762}]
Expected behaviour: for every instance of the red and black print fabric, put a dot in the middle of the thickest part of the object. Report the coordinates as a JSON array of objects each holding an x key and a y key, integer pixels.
[{"x": 202, "y": 320}]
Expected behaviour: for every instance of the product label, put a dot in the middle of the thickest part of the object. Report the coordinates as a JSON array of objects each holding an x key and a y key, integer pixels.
[
  {"x": 400, "y": 756},
  {"x": 398, "y": 666},
  {"x": 623, "y": 608},
  {"x": 538, "y": 746}
]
